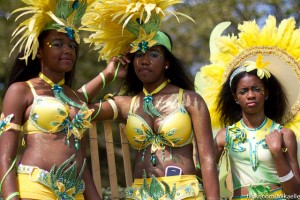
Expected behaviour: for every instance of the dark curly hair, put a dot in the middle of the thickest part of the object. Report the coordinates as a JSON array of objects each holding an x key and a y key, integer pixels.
[{"x": 230, "y": 112}]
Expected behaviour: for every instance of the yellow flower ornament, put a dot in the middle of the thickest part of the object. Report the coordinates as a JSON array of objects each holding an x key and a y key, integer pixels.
[
  {"x": 262, "y": 71},
  {"x": 144, "y": 42},
  {"x": 249, "y": 66}
]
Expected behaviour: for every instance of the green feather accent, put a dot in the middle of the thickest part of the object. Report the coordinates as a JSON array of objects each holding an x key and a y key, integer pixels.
[
  {"x": 67, "y": 177},
  {"x": 156, "y": 189},
  {"x": 149, "y": 107}
]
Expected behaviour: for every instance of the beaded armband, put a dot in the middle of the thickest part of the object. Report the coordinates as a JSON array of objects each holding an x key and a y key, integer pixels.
[{"x": 5, "y": 124}]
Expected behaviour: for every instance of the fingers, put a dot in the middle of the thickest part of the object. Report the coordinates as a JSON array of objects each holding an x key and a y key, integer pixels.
[{"x": 124, "y": 60}]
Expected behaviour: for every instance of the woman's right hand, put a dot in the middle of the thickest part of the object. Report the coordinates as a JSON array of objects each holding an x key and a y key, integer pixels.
[{"x": 117, "y": 65}]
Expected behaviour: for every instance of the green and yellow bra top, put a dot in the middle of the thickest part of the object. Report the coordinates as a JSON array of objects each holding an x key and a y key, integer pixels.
[
  {"x": 52, "y": 115},
  {"x": 174, "y": 131}
]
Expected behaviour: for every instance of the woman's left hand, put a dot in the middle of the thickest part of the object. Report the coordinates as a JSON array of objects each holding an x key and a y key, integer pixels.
[
  {"x": 274, "y": 141},
  {"x": 117, "y": 63}
]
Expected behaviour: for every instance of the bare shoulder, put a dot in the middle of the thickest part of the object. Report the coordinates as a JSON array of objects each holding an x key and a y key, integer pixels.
[
  {"x": 19, "y": 91},
  {"x": 221, "y": 137},
  {"x": 192, "y": 98},
  {"x": 122, "y": 101},
  {"x": 16, "y": 100},
  {"x": 18, "y": 88},
  {"x": 288, "y": 134}
]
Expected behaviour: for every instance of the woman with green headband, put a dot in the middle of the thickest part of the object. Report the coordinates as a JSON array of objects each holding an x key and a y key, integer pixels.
[{"x": 164, "y": 119}]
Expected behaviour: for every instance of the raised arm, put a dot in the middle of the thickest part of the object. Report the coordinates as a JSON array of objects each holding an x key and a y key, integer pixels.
[
  {"x": 203, "y": 134},
  {"x": 116, "y": 68}
]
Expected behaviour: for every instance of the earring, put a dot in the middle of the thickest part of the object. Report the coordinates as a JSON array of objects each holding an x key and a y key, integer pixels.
[
  {"x": 266, "y": 98},
  {"x": 38, "y": 55},
  {"x": 166, "y": 67},
  {"x": 237, "y": 102}
]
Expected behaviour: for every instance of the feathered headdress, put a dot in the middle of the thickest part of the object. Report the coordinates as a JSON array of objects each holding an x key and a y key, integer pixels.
[
  {"x": 120, "y": 26},
  {"x": 61, "y": 15},
  {"x": 280, "y": 49}
]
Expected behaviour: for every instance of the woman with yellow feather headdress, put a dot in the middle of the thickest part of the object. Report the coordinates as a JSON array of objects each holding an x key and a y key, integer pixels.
[
  {"x": 252, "y": 88},
  {"x": 165, "y": 114},
  {"x": 41, "y": 104}
]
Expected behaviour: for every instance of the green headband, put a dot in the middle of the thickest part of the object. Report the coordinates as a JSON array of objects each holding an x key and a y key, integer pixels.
[{"x": 163, "y": 39}]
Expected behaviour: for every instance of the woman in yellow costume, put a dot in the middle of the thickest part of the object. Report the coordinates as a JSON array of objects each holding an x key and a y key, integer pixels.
[
  {"x": 41, "y": 104},
  {"x": 164, "y": 115},
  {"x": 257, "y": 76}
]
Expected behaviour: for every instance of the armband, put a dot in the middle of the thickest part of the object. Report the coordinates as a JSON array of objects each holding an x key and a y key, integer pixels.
[
  {"x": 5, "y": 124},
  {"x": 114, "y": 107},
  {"x": 98, "y": 111},
  {"x": 10, "y": 168},
  {"x": 287, "y": 177},
  {"x": 12, "y": 195},
  {"x": 112, "y": 103},
  {"x": 103, "y": 80},
  {"x": 85, "y": 93}
]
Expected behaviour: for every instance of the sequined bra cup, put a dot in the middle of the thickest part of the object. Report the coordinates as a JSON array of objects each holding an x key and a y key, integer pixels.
[
  {"x": 50, "y": 115},
  {"x": 174, "y": 131},
  {"x": 250, "y": 159}
]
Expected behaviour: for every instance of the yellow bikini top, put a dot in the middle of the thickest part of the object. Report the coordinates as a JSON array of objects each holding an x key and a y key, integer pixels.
[
  {"x": 50, "y": 115},
  {"x": 175, "y": 129}
]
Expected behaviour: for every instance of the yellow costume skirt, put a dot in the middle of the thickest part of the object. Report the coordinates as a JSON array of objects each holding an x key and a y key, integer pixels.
[
  {"x": 171, "y": 187},
  {"x": 276, "y": 194},
  {"x": 35, "y": 183}
]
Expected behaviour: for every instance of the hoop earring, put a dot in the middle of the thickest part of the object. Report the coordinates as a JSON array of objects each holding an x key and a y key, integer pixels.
[{"x": 38, "y": 55}]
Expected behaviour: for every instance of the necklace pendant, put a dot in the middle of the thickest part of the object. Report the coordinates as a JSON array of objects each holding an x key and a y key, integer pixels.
[
  {"x": 67, "y": 141},
  {"x": 77, "y": 144},
  {"x": 153, "y": 159}
]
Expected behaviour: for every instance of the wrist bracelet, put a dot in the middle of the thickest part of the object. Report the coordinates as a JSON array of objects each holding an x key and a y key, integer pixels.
[
  {"x": 12, "y": 195},
  {"x": 98, "y": 111},
  {"x": 85, "y": 93},
  {"x": 116, "y": 72},
  {"x": 287, "y": 177},
  {"x": 103, "y": 80}
]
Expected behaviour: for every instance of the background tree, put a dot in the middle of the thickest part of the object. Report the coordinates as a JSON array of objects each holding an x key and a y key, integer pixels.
[{"x": 190, "y": 39}]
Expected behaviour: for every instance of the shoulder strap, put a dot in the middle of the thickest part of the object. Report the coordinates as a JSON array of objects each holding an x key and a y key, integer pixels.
[
  {"x": 32, "y": 88},
  {"x": 131, "y": 104},
  {"x": 180, "y": 96}
]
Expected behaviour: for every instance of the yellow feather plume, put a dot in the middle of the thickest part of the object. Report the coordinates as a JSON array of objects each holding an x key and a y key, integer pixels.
[
  {"x": 115, "y": 25},
  {"x": 42, "y": 14},
  {"x": 249, "y": 32}
]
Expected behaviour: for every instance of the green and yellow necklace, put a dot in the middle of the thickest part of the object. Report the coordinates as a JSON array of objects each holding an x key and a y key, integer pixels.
[
  {"x": 148, "y": 100},
  {"x": 58, "y": 91}
]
